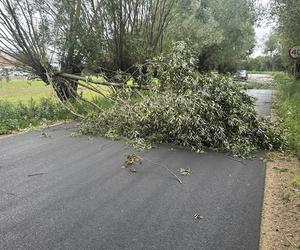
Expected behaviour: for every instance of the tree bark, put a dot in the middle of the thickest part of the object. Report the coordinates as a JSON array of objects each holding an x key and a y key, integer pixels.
[{"x": 65, "y": 89}]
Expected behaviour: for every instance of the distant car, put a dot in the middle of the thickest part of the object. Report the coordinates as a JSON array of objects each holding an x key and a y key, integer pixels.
[{"x": 241, "y": 75}]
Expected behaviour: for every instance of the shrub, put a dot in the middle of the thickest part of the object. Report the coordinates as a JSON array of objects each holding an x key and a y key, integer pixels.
[{"x": 15, "y": 117}]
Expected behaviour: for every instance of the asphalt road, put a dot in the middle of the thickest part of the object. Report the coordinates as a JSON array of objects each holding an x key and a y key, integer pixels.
[
  {"x": 260, "y": 78},
  {"x": 263, "y": 100},
  {"x": 65, "y": 192}
]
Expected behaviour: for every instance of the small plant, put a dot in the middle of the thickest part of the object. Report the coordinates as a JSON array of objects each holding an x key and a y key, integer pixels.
[
  {"x": 286, "y": 196},
  {"x": 280, "y": 170},
  {"x": 296, "y": 182}
]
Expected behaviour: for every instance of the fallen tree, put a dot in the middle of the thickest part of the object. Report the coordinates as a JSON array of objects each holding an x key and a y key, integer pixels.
[
  {"x": 188, "y": 109},
  {"x": 178, "y": 105}
]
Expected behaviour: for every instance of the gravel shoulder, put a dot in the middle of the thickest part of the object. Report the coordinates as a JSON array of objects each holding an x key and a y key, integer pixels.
[{"x": 280, "y": 228}]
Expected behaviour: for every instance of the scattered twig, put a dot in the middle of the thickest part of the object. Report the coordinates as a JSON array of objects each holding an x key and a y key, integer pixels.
[
  {"x": 133, "y": 159},
  {"x": 185, "y": 171},
  {"x": 165, "y": 167},
  {"x": 237, "y": 160},
  {"x": 30, "y": 175},
  {"x": 291, "y": 242}
]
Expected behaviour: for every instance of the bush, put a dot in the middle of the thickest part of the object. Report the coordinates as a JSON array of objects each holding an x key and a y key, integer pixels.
[
  {"x": 15, "y": 117},
  {"x": 188, "y": 109}
]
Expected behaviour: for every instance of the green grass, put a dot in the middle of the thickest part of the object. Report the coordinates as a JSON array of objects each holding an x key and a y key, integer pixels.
[
  {"x": 289, "y": 107},
  {"x": 26, "y": 103},
  {"x": 24, "y": 90},
  {"x": 14, "y": 117}
]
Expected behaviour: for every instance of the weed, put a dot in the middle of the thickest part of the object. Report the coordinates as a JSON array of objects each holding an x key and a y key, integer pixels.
[
  {"x": 280, "y": 170},
  {"x": 286, "y": 196},
  {"x": 296, "y": 181}
]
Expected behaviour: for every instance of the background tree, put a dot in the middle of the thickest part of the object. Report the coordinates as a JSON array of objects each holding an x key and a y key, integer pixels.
[
  {"x": 221, "y": 31},
  {"x": 287, "y": 15}
]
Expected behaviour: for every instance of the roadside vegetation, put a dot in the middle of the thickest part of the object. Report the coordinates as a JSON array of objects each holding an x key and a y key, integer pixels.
[
  {"x": 14, "y": 117},
  {"x": 289, "y": 108},
  {"x": 30, "y": 103}
]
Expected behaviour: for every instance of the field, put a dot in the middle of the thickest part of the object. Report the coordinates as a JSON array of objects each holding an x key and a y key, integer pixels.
[
  {"x": 26, "y": 103},
  {"x": 23, "y": 90}
]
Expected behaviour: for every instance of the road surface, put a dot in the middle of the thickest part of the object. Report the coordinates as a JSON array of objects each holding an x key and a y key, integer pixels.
[
  {"x": 263, "y": 100},
  {"x": 65, "y": 192},
  {"x": 263, "y": 97},
  {"x": 260, "y": 78}
]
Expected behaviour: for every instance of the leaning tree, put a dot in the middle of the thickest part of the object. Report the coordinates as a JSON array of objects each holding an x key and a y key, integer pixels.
[
  {"x": 42, "y": 37},
  {"x": 56, "y": 39}
]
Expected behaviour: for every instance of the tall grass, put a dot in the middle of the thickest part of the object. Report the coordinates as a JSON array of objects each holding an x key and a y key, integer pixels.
[
  {"x": 289, "y": 107},
  {"x": 14, "y": 117}
]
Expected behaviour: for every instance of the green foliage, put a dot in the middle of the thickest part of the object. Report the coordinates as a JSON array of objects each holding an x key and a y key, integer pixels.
[
  {"x": 188, "y": 109},
  {"x": 280, "y": 170},
  {"x": 235, "y": 20},
  {"x": 287, "y": 14},
  {"x": 15, "y": 117},
  {"x": 289, "y": 108},
  {"x": 296, "y": 182},
  {"x": 264, "y": 63},
  {"x": 286, "y": 196}
]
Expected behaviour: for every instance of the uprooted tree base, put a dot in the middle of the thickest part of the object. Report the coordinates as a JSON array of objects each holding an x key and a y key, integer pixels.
[{"x": 188, "y": 109}]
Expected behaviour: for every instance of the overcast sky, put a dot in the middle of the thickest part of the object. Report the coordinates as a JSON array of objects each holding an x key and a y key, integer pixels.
[{"x": 262, "y": 33}]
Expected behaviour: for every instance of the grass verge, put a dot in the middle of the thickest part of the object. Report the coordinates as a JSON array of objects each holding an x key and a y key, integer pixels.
[
  {"x": 15, "y": 117},
  {"x": 289, "y": 108}
]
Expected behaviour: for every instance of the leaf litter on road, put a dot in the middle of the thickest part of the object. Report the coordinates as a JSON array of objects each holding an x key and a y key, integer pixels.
[
  {"x": 133, "y": 160},
  {"x": 185, "y": 171}
]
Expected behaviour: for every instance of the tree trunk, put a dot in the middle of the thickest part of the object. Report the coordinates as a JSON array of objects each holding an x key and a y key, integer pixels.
[
  {"x": 65, "y": 89},
  {"x": 6, "y": 75}
]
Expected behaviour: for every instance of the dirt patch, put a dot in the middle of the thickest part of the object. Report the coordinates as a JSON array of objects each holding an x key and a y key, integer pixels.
[{"x": 280, "y": 228}]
